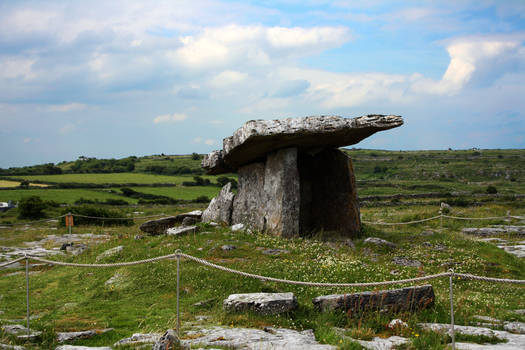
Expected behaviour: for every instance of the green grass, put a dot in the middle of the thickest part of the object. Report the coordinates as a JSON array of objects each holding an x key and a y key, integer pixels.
[
  {"x": 114, "y": 178},
  {"x": 68, "y": 196},
  {"x": 146, "y": 302},
  {"x": 181, "y": 192}
]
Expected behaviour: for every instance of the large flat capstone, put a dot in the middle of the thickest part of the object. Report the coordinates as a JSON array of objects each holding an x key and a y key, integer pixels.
[
  {"x": 394, "y": 300},
  {"x": 256, "y": 138},
  {"x": 263, "y": 303}
]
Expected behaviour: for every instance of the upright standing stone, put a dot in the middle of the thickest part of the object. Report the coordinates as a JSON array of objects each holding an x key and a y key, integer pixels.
[
  {"x": 247, "y": 207},
  {"x": 220, "y": 208}
]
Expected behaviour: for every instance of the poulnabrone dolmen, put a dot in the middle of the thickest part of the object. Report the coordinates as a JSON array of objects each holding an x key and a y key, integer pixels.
[{"x": 293, "y": 179}]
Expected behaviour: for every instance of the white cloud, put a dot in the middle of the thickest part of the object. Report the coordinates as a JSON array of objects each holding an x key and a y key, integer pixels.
[
  {"x": 67, "y": 128},
  {"x": 209, "y": 142},
  {"x": 227, "y": 78},
  {"x": 197, "y": 139},
  {"x": 170, "y": 118},
  {"x": 28, "y": 140},
  {"x": 255, "y": 45},
  {"x": 15, "y": 67},
  {"x": 470, "y": 57},
  {"x": 66, "y": 107}
]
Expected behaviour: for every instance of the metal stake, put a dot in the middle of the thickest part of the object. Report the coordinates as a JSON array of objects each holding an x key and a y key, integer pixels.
[
  {"x": 178, "y": 283},
  {"x": 27, "y": 293},
  {"x": 452, "y": 311}
]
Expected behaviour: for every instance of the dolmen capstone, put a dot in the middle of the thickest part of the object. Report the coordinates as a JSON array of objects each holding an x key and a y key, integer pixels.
[{"x": 293, "y": 180}]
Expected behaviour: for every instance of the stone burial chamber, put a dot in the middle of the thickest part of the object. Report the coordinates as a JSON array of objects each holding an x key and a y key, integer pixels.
[{"x": 292, "y": 178}]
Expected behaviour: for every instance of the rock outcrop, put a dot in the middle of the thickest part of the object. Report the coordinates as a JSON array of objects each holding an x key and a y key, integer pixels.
[
  {"x": 292, "y": 179},
  {"x": 263, "y": 303},
  {"x": 394, "y": 300}
]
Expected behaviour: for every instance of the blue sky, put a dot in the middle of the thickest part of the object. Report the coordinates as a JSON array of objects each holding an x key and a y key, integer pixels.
[{"x": 113, "y": 79}]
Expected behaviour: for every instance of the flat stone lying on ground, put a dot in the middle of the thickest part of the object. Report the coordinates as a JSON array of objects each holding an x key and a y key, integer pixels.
[
  {"x": 394, "y": 300},
  {"x": 138, "y": 339},
  {"x": 159, "y": 226},
  {"x": 168, "y": 341},
  {"x": 380, "y": 242},
  {"x": 11, "y": 347},
  {"x": 495, "y": 230},
  {"x": 110, "y": 252},
  {"x": 511, "y": 247},
  {"x": 256, "y": 339},
  {"x": 181, "y": 230},
  {"x": 79, "y": 347},
  {"x": 514, "y": 341},
  {"x": 404, "y": 261},
  {"x": 63, "y": 337},
  {"x": 21, "y": 332},
  {"x": 256, "y": 138},
  {"x": 263, "y": 303}
]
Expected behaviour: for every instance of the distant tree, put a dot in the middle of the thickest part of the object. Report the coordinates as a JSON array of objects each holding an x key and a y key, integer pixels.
[
  {"x": 195, "y": 156},
  {"x": 24, "y": 184},
  {"x": 31, "y": 208},
  {"x": 491, "y": 189}
]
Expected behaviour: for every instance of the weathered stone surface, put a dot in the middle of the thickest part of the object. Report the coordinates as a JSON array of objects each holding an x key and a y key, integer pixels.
[
  {"x": 328, "y": 196},
  {"x": 11, "y": 347},
  {"x": 256, "y": 339},
  {"x": 181, "y": 230},
  {"x": 380, "y": 242},
  {"x": 79, "y": 347},
  {"x": 247, "y": 207},
  {"x": 221, "y": 207},
  {"x": 63, "y": 337},
  {"x": 228, "y": 247},
  {"x": 159, "y": 226},
  {"x": 514, "y": 327},
  {"x": 382, "y": 343},
  {"x": 139, "y": 338},
  {"x": 394, "y": 300},
  {"x": 282, "y": 193},
  {"x": 404, "y": 261},
  {"x": 169, "y": 341},
  {"x": 237, "y": 227},
  {"x": 21, "y": 332},
  {"x": 496, "y": 230},
  {"x": 514, "y": 341},
  {"x": 110, "y": 252},
  {"x": 256, "y": 138},
  {"x": 263, "y": 303}
]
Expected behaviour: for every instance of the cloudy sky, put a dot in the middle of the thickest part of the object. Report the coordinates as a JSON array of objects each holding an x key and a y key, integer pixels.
[{"x": 109, "y": 79}]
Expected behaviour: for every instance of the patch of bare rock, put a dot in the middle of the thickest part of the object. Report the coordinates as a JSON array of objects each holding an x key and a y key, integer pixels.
[
  {"x": 256, "y": 339},
  {"x": 263, "y": 303}
]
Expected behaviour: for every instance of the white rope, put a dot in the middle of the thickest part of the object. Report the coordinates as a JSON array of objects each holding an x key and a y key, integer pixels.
[
  {"x": 270, "y": 279},
  {"x": 12, "y": 262},
  {"x": 401, "y": 223},
  {"x": 130, "y": 263}
]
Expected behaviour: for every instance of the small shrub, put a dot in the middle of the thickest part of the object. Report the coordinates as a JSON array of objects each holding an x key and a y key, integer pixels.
[
  {"x": 202, "y": 199},
  {"x": 195, "y": 156},
  {"x": 92, "y": 215},
  {"x": 31, "y": 208},
  {"x": 491, "y": 189}
]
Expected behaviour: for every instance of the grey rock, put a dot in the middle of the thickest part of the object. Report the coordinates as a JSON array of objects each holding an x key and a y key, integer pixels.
[
  {"x": 169, "y": 341},
  {"x": 495, "y": 230},
  {"x": 76, "y": 249},
  {"x": 204, "y": 303},
  {"x": 21, "y": 332},
  {"x": 237, "y": 227},
  {"x": 110, "y": 253},
  {"x": 248, "y": 206},
  {"x": 256, "y": 138},
  {"x": 427, "y": 233},
  {"x": 514, "y": 341},
  {"x": 263, "y": 303},
  {"x": 228, "y": 247},
  {"x": 159, "y": 226},
  {"x": 514, "y": 327},
  {"x": 79, "y": 347},
  {"x": 221, "y": 207},
  {"x": 256, "y": 339},
  {"x": 382, "y": 343},
  {"x": 11, "y": 347},
  {"x": 403, "y": 261},
  {"x": 118, "y": 281},
  {"x": 394, "y": 300},
  {"x": 274, "y": 251},
  {"x": 139, "y": 338},
  {"x": 181, "y": 230},
  {"x": 189, "y": 221},
  {"x": 520, "y": 311},
  {"x": 63, "y": 337},
  {"x": 380, "y": 242}
]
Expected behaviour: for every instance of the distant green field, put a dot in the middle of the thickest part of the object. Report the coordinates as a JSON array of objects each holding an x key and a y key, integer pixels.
[
  {"x": 61, "y": 195},
  {"x": 113, "y": 178},
  {"x": 181, "y": 192}
]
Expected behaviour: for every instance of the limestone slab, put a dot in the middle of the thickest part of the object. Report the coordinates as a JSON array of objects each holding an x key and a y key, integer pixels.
[
  {"x": 263, "y": 303},
  {"x": 256, "y": 138},
  {"x": 221, "y": 207},
  {"x": 393, "y": 300}
]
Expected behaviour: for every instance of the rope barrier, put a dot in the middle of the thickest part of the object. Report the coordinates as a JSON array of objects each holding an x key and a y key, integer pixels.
[
  {"x": 270, "y": 279},
  {"x": 401, "y": 223},
  {"x": 130, "y": 263},
  {"x": 11, "y": 262}
]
